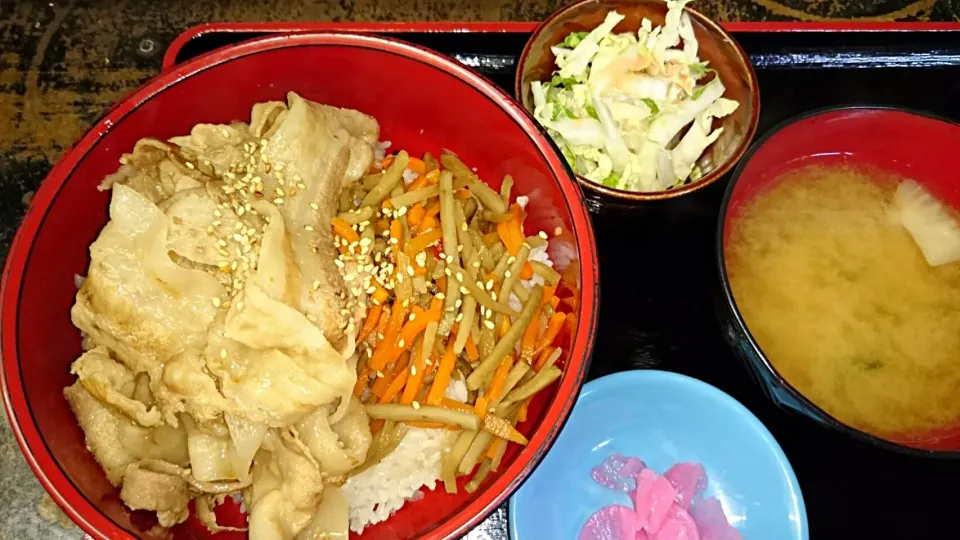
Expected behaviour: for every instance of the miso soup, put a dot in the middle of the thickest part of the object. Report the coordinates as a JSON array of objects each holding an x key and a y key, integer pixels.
[{"x": 842, "y": 302}]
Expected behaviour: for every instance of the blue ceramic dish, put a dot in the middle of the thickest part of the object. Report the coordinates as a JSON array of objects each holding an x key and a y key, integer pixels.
[{"x": 662, "y": 418}]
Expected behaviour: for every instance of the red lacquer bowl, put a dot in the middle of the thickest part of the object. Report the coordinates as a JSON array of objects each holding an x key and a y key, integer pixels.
[
  {"x": 423, "y": 101},
  {"x": 909, "y": 144}
]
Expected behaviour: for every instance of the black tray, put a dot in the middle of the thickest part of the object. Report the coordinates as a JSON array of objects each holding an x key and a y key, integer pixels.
[{"x": 658, "y": 271}]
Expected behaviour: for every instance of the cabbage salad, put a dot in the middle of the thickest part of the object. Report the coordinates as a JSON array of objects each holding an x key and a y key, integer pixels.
[{"x": 618, "y": 103}]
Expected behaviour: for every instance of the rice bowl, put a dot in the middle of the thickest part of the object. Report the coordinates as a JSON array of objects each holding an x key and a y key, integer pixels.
[{"x": 82, "y": 510}]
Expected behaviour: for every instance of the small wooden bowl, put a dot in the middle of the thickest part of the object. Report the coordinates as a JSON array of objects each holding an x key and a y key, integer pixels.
[{"x": 716, "y": 46}]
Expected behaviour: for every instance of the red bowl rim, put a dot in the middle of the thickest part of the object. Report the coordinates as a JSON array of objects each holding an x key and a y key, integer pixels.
[
  {"x": 34, "y": 448},
  {"x": 633, "y": 197},
  {"x": 727, "y": 293}
]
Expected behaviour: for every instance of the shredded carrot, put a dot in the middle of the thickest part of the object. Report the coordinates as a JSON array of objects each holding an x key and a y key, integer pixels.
[
  {"x": 528, "y": 343},
  {"x": 376, "y": 426},
  {"x": 396, "y": 385},
  {"x": 422, "y": 241},
  {"x": 553, "y": 329},
  {"x": 361, "y": 384},
  {"x": 480, "y": 406},
  {"x": 462, "y": 194},
  {"x": 527, "y": 271},
  {"x": 570, "y": 328},
  {"x": 522, "y": 413},
  {"x": 368, "y": 325},
  {"x": 471, "y": 347},
  {"x": 415, "y": 214},
  {"x": 385, "y": 346},
  {"x": 380, "y": 295},
  {"x": 433, "y": 210},
  {"x": 418, "y": 370},
  {"x": 495, "y": 448},
  {"x": 386, "y": 162},
  {"x": 429, "y": 223},
  {"x": 442, "y": 379},
  {"x": 542, "y": 359},
  {"x": 491, "y": 238},
  {"x": 396, "y": 233},
  {"x": 380, "y": 385},
  {"x": 500, "y": 377},
  {"x": 386, "y": 204},
  {"x": 511, "y": 230},
  {"x": 448, "y": 403},
  {"x": 381, "y": 225},
  {"x": 417, "y": 165},
  {"x": 549, "y": 291},
  {"x": 554, "y": 302},
  {"x": 504, "y": 326},
  {"x": 442, "y": 283},
  {"x": 419, "y": 182},
  {"x": 412, "y": 329},
  {"x": 344, "y": 230}
]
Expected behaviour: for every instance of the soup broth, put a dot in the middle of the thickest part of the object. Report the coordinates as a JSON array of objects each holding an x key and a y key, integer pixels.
[{"x": 844, "y": 305}]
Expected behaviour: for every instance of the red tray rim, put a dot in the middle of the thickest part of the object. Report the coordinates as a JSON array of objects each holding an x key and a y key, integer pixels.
[{"x": 169, "y": 58}]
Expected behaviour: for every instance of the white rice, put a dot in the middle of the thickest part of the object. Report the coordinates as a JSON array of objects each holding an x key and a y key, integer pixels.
[
  {"x": 538, "y": 254},
  {"x": 376, "y": 493},
  {"x": 409, "y": 176}
]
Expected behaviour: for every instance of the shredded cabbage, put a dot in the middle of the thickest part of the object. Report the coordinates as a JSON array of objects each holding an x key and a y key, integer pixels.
[{"x": 618, "y": 104}]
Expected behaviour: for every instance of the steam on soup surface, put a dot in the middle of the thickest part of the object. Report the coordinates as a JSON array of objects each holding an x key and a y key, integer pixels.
[{"x": 842, "y": 302}]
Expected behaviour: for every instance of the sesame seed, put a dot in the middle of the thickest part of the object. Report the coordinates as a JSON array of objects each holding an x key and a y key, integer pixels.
[
  {"x": 416, "y": 405},
  {"x": 278, "y": 200},
  {"x": 558, "y": 231},
  {"x": 190, "y": 165},
  {"x": 315, "y": 206},
  {"x": 490, "y": 284},
  {"x": 307, "y": 228},
  {"x": 379, "y": 374},
  {"x": 507, "y": 274},
  {"x": 316, "y": 285},
  {"x": 401, "y": 343},
  {"x": 440, "y": 296},
  {"x": 458, "y": 303},
  {"x": 410, "y": 271},
  {"x": 463, "y": 226},
  {"x": 463, "y": 290},
  {"x": 511, "y": 259},
  {"x": 459, "y": 317},
  {"x": 216, "y": 302},
  {"x": 449, "y": 259},
  {"x": 489, "y": 324},
  {"x": 223, "y": 353}
]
